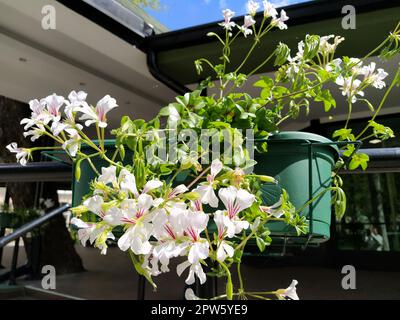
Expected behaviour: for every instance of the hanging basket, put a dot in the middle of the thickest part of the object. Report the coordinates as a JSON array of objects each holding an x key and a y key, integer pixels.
[{"x": 302, "y": 164}]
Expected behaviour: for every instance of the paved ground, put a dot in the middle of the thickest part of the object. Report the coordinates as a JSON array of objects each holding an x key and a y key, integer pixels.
[{"x": 113, "y": 277}]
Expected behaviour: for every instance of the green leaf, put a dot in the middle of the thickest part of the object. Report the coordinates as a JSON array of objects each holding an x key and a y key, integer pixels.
[
  {"x": 137, "y": 262},
  {"x": 311, "y": 46},
  {"x": 380, "y": 131},
  {"x": 264, "y": 82},
  {"x": 344, "y": 134},
  {"x": 282, "y": 52},
  {"x": 260, "y": 244},
  {"x": 326, "y": 97},
  {"x": 359, "y": 160}
]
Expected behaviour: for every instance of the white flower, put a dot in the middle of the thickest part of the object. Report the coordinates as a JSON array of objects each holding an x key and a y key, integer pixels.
[
  {"x": 355, "y": 65},
  {"x": 290, "y": 292},
  {"x": 349, "y": 87},
  {"x": 53, "y": 105},
  {"x": 136, "y": 238},
  {"x": 128, "y": 182},
  {"x": 178, "y": 190},
  {"x": 227, "y": 24},
  {"x": 58, "y": 127},
  {"x": 37, "y": 115},
  {"x": 274, "y": 209},
  {"x": 21, "y": 153},
  {"x": 137, "y": 218},
  {"x": 108, "y": 175},
  {"x": 334, "y": 65},
  {"x": 195, "y": 269},
  {"x": 328, "y": 48},
  {"x": 98, "y": 114},
  {"x": 235, "y": 200},
  {"x": 248, "y": 22},
  {"x": 173, "y": 117},
  {"x": 193, "y": 224},
  {"x": 151, "y": 185},
  {"x": 280, "y": 22},
  {"x": 95, "y": 205},
  {"x": 164, "y": 251},
  {"x": 269, "y": 9},
  {"x": 376, "y": 79},
  {"x": 73, "y": 143},
  {"x": 224, "y": 249},
  {"x": 76, "y": 100},
  {"x": 206, "y": 191},
  {"x": 36, "y": 133},
  {"x": 252, "y": 7},
  {"x": 167, "y": 229},
  {"x": 189, "y": 295},
  {"x": 91, "y": 232},
  {"x": 196, "y": 205}
]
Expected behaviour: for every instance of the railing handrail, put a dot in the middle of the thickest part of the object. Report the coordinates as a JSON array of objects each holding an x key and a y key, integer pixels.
[
  {"x": 32, "y": 225},
  {"x": 35, "y": 171}
]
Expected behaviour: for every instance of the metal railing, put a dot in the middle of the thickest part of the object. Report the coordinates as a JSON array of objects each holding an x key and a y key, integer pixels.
[
  {"x": 22, "y": 231},
  {"x": 32, "y": 225}
]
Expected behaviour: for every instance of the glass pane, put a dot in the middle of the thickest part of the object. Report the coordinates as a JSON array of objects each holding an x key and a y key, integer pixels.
[
  {"x": 372, "y": 220},
  {"x": 179, "y": 14},
  {"x": 170, "y": 15}
]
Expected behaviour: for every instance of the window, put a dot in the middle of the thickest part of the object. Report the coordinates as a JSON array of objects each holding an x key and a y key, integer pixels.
[{"x": 372, "y": 220}]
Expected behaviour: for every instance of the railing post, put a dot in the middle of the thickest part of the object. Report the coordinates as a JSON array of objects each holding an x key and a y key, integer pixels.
[{"x": 14, "y": 263}]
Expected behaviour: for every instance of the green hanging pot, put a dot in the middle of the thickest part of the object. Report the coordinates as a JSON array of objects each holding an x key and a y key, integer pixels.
[{"x": 302, "y": 163}]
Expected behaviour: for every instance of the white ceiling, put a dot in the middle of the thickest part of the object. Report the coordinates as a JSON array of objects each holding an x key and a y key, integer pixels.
[{"x": 78, "y": 54}]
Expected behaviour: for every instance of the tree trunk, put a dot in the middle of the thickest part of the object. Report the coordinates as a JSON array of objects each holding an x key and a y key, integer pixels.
[{"x": 56, "y": 245}]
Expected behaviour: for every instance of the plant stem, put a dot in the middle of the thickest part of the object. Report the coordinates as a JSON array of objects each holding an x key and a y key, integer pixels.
[
  {"x": 348, "y": 114},
  {"x": 199, "y": 177},
  {"x": 45, "y": 148},
  {"x": 239, "y": 272},
  {"x": 92, "y": 165},
  {"x": 229, "y": 286},
  {"x": 262, "y": 64},
  {"x": 314, "y": 198}
]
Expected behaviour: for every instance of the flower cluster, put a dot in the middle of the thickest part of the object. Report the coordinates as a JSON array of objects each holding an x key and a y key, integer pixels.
[
  {"x": 248, "y": 25},
  {"x": 59, "y": 118},
  {"x": 161, "y": 222}
]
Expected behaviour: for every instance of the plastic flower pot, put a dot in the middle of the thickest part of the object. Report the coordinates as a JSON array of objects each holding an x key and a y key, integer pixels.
[{"x": 302, "y": 163}]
